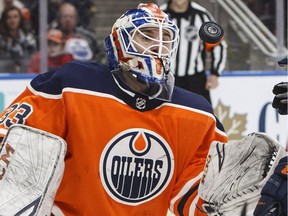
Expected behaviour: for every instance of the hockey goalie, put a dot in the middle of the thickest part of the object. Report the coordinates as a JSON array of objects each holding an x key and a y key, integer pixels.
[{"x": 136, "y": 143}]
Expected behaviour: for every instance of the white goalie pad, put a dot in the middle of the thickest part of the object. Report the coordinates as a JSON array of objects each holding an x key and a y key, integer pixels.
[
  {"x": 31, "y": 169},
  {"x": 236, "y": 172}
]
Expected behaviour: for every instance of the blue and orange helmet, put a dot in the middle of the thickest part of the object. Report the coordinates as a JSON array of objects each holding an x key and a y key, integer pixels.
[{"x": 150, "y": 62}]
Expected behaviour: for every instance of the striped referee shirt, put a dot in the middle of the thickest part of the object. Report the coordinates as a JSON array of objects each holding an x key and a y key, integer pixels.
[{"x": 191, "y": 54}]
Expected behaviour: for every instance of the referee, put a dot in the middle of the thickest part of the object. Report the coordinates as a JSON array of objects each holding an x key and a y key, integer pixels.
[{"x": 189, "y": 67}]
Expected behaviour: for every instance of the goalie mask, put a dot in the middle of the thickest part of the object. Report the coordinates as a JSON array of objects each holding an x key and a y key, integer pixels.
[{"x": 140, "y": 48}]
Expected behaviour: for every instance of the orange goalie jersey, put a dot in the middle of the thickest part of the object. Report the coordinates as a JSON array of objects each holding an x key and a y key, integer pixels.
[{"x": 126, "y": 154}]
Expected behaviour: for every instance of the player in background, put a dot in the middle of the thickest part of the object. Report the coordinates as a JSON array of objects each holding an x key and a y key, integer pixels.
[
  {"x": 189, "y": 67},
  {"x": 136, "y": 144},
  {"x": 55, "y": 52},
  {"x": 273, "y": 199}
]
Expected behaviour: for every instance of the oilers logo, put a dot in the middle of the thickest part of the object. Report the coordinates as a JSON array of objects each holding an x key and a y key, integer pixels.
[{"x": 136, "y": 166}]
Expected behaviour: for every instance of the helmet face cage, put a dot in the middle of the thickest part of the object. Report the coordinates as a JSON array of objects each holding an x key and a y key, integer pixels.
[
  {"x": 166, "y": 48},
  {"x": 149, "y": 63}
]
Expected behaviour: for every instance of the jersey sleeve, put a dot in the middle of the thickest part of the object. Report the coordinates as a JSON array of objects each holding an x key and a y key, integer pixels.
[
  {"x": 36, "y": 108},
  {"x": 185, "y": 196},
  {"x": 185, "y": 199}
]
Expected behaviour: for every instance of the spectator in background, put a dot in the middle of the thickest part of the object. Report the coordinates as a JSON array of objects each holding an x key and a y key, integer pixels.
[
  {"x": 24, "y": 10},
  {"x": 56, "y": 55},
  {"x": 9, "y": 3},
  {"x": 190, "y": 65},
  {"x": 67, "y": 22},
  {"x": 85, "y": 9},
  {"x": 16, "y": 42}
]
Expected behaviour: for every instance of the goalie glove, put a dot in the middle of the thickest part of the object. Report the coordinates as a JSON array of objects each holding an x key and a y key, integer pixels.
[
  {"x": 236, "y": 172},
  {"x": 273, "y": 199},
  {"x": 280, "y": 101}
]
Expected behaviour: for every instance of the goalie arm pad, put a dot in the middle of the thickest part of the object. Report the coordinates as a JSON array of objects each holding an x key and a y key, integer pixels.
[{"x": 31, "y": 169}]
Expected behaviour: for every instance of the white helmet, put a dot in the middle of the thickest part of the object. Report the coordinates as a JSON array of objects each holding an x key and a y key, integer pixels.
[{"x": 149, "y": 65}]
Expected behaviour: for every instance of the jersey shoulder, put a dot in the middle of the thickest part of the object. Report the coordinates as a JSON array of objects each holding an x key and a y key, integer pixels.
[
  {"x": 75, "y": 74},
  {"x": 189, "y": 99}
]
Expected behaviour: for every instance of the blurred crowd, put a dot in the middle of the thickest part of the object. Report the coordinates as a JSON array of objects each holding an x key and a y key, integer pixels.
[{"x": 68, "y": 34}]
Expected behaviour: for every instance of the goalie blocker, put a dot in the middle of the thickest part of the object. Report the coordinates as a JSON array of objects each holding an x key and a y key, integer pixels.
[
  {"x": 31, "y": 169},
  {"x": 236, "y": 172}
]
